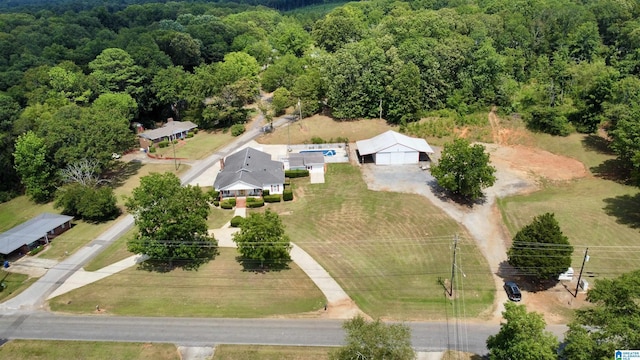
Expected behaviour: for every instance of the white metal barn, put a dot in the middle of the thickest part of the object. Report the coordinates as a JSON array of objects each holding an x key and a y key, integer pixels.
[{"x": 392, "y": 148}]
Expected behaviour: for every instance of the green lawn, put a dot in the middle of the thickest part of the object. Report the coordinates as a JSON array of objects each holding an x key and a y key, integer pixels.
[
  {"x": 115, "y": 252},
  {"x": 20, "y": 209},
  {"x": 260, "y": 352},
  {"x": 86, "y": 350},
  {"x": 387, "y": 250},
  {"x": 198, "y": 147},
  {"x": 593, "y": 212},
  {"x": 15, "y": 284},
  {"x": 218, "y": 289}
]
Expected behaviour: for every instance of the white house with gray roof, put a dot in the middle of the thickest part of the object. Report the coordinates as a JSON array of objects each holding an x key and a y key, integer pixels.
[
  {"x": 248, "y": 172},
  {"x": 172, "y": 130},
  {"x": 37, "y": 231}
]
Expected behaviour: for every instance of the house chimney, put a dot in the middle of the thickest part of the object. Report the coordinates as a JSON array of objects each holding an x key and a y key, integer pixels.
[{"x": 221, "y": 164}]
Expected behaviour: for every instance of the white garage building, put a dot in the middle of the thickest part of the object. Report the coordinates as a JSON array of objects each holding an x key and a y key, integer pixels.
[{"x": 392, "y": 148}]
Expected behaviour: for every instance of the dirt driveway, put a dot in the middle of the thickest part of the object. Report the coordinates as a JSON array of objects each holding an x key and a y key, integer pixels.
[{"x": 518, "y": 169}]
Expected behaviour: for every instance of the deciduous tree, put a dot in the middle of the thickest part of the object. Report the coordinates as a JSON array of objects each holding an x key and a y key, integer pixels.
[
  {"x": 262, "y": 239},
  {"x": 171, "y": 221},
  {"x": 375, "y": 340},
  {"x": 464, "y": 169},
  {"x": 31, "y": 164},
  {"x": 522, "y": 337},
  {"x": 540, "y": 249},
  {"x": 613, "y": 322}
]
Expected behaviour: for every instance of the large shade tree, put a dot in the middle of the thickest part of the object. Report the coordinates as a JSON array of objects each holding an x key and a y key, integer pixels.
[
  {"x": 613, "y": 322},
  {"x": 262, "y": 239},
  {"x": 33, "y": 167},
  {"x": 522, "y": 337},
  {"x": 464, "y": 169},
  {"x": 540, "y": 249},
  {"x": 171, "y": 221},
  {"x": 375, "y": 340}
]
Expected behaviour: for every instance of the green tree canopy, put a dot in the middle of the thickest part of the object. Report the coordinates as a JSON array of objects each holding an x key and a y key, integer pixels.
[
  {"x": 171, "y": 221},
  {"x": 464, "y": 169},
  {"x": 522, "y": 337},
  {"x": 31, "y": 164},
  {"x": 540, "y": 249},
  {"x": 262, "y": 239},
  {"x": 613, "y": 322},
  {"x": 375, "y": 340}
]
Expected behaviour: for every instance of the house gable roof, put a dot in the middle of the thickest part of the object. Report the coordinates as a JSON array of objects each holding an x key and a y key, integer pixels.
[
  {"x": 30, "y": 231},
  {"x": 168, "y": 129},
  {"x": 305, "y": 159},
  {"x": 249, "y": 166},
  {"x": 390, "y": 138}
]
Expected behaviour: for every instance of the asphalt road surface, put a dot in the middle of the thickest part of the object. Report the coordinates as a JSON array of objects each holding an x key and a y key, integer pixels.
[{"x": 432, "y": 336}]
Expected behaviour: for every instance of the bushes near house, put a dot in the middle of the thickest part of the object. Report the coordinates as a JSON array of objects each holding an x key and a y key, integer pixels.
[
  {"x": 163, "y": 144},
  {"x": 265, "y": 192},
  {"x": 216, "y": 203},
  {"x": 255, "y": 202},
  {"x": 231, "y": 201},
  {"x": 213, "y": 194},
  {"x": 237, "y": 129},
  {"x": 152, "y": 149},
  {"x": 226, "y": 204},
  {"x": 287, "y": 195},
  {"x": 296, "y": 173},
  {"x": 36, "y": 250},
  {"x": 237, "y": 221},
  {"x": 272, "y": 198},
  {"x": 190, "y": 135}
]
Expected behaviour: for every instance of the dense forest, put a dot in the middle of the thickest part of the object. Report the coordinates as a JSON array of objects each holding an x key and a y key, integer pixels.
[{"x": 75, "y": 76}]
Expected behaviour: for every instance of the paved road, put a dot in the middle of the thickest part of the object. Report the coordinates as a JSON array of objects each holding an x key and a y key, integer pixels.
[
  {"x": 435, "y": 336},
  {"x": 33, "y": 298}
]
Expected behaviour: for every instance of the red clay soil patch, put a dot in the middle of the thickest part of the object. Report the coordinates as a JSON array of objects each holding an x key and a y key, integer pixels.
[{"x": 536, "y": 162}]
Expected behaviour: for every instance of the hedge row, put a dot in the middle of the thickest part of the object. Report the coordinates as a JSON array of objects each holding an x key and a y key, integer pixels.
[
  {"x": 226, "y": 205},
  {"x": 255, "y": 202},
  {"x": 296, "y": 173},
  {"x": 272, "y": 198},
  {"x": 287, "y": 195},
  {"x": 163, "y": 144}
]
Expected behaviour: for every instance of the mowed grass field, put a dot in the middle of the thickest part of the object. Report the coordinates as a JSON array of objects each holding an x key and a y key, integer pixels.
[
  {"x": 86, "y": 350},
  {"x": 301, "y": 132},
  {"x": 220, "y": 288},
  {"x": 595, "y": 212},
  {"x": 197, "y": 147},
  {"x": 387, "y": 250},
  {"x": 260, "y": 352}
]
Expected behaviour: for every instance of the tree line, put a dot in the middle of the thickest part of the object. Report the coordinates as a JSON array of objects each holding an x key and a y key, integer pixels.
[{"x": 563, "y": 65}]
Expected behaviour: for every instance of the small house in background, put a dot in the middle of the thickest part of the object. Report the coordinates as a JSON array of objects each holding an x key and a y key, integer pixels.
[
  {"x": 392, "y": 148},
  {"x": 247, "y": 173},
  {"x": 172, "y": 130},
  {"x": 37, "y": 231}
]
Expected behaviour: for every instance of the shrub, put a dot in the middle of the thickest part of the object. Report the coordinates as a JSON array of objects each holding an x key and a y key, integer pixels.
[
  {"x": 213, "y": 194},
  {"x": 190, "y": 135},
  {"x": 152, "y": 149},
  {"x": 226, "y": 205},
  {"x": 287, "y": 195},
  {"x": 317, "y": 140},
  {"x": 296, "y": 173},
  {"x": 255, "y": 202},
  {"x": 216, "y": 203},
  {"x": 237, "y": 129},
  {"x": 175, "y": 141},
  {"x": 163, "y": 144},
  {"x": 265, "y": 192},
  {"x": 272, "y": 198},
  {"x": 195, "y": 131},
  {"x": 237, "y": 221},
  {"x": 36, "y": 250},
  {"x": 231, "y": 201}
]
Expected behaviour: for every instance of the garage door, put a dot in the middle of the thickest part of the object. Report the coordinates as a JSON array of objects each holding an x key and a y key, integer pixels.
[
  {"x": 397, "y": 158},
  {"x": 383, "y": 159}
]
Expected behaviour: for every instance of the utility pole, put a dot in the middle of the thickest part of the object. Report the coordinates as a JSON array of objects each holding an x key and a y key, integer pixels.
[
  {"x": 175, "y": 161},
  {"x": 584, "y": 260},
  {"x": 453, "y": 265},
  {"x": 380, "y": 108}
]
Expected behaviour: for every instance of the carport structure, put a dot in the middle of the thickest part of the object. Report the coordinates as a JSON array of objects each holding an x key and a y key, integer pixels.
[{"x": 392, "y": 148}]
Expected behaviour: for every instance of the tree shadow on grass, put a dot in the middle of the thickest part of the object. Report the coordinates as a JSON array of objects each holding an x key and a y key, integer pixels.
[
  {"x": 165, "y": 266},
  {"x": 528, "y": 283},
  {"x": 446, "y": 195},
  {"x": 614, "y": 170},
  {"x": 259, "y": 267},
  {"x": 597, "y": 143},
  {"x": 626, "y": 209},
  {"x": 121, "y": 172}
]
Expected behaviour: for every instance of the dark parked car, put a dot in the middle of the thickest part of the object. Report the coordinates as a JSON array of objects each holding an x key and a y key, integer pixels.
[{"x": 513, "y": 292}]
